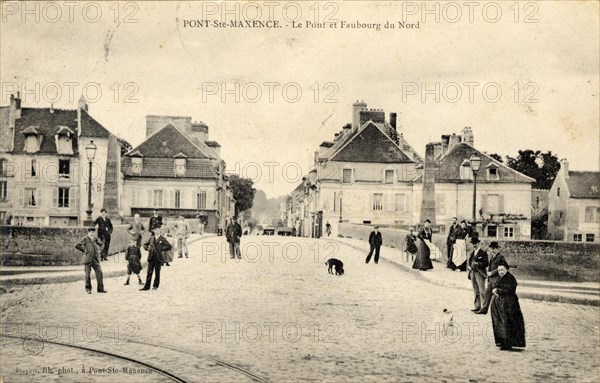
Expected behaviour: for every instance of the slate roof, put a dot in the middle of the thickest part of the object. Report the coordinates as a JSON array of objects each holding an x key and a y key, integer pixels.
[
  {"x": 5, "y": 133},
  {"x": 170, "y": 141},
  {"x": 370, "y": 143},
  {"x": 165, "y": 168},
  {"x": 448, "y": 167},
  {"x": 47, "y": 122},
  {"x": 583, "y": 184}
]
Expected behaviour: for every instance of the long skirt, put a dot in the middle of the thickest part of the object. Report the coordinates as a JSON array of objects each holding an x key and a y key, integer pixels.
[
  {"x": 459, "y": 254},
  {"x": 423, "y": 260},
  {"x": 507, "y": 321}
]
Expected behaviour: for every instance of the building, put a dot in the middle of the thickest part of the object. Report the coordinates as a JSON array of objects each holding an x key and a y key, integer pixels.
[
  {"x": 574, "y": 205},
  {"x": 179, "y": 171},
  {"x": 539, "y": 213},
  {"x": 503, "y": 208},
  {"x": 363, "y": 176},
  {"x": 44, "y": 179}
]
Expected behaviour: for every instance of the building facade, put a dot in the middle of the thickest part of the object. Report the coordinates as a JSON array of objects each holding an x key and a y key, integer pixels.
[
  {"x": 574, "y": 205},
  {"x": 178, "y": 171},
  {"x": 45, "y": 169}
]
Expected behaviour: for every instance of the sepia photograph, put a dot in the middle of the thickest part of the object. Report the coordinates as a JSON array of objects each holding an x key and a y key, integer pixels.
[{"x": 300, "y": 191}]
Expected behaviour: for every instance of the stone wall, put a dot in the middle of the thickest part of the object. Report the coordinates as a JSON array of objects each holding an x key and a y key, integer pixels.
[
  {"x": 547, "y": 260},
  {"x": 51, "y": 246}
]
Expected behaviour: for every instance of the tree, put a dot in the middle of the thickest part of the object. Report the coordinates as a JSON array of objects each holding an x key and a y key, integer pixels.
[
  {"x": 497, "y": 157},
  {"x": 543, "y": 167},
  {"x": 243, "y": 192}
]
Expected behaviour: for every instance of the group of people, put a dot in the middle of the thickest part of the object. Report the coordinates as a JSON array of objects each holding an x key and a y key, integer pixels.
[
  {"x": 159, "y": 248},
  {"x": 493, "y": 285}
]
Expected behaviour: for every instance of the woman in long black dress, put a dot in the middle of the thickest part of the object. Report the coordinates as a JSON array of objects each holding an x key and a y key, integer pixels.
[
  {"x": 507, "y": 318},
  {"x": 423, "y": 260}
]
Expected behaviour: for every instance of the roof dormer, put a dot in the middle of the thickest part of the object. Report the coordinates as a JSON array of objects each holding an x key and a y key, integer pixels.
[
  {"x": 33, "y": 139},
  {"x": 64, "y": 140}
]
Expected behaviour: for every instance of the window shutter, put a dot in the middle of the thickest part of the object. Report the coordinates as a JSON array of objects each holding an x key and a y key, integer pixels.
[
  {"x": 501, "y": 203},
  {"x": 484, "y": 205},
  {"x": 40, "y": 197},
  {"x": 371, "y": 200},
  {"x": 171, "y": 199},
  {"x": 72, "y": 199},
  {"x": 149, "y": 200},
  {"x": 388, "y": 202},
  {"x": 194, "y": 200},
  {"x": 21, "y": 197},
  {"x": 55, "y": 197}
]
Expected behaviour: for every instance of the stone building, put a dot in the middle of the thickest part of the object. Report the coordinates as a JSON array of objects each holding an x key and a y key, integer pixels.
[
  {"x": 44, "y": 178},
  {"x": 178, "y": 170},
  {"x": 574, "y": 205}
]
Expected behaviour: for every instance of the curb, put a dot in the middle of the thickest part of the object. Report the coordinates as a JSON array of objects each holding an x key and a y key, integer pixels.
[
  {"x": 541, "y": 296},
  {"x": 71, "y": 276}
]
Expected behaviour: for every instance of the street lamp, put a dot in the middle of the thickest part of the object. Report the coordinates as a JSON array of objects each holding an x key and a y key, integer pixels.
[
  {"x": 475, "y": 163},
  {"x": 341, "y": 201},
  {"x": 90, "y": 152}
]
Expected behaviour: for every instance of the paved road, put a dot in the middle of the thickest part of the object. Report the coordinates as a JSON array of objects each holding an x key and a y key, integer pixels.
[{"x": 279, "y": 315}]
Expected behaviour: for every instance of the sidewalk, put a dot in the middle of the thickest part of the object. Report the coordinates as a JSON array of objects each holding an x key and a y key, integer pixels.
[
  {"x": 116, "y": 266},
  {"x": 585, "y": 293}
]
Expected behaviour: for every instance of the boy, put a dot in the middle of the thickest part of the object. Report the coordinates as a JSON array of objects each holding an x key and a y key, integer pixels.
[{"x": 133, "y": 256}]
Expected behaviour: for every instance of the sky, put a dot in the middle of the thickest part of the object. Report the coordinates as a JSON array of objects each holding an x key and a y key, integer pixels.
[{"x": 522, "y": 75}]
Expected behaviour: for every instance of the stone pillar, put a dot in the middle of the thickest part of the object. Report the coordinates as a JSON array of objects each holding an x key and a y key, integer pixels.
[
  {"x": 428, "y": 201},
  {"x": 113, "y": 177}
]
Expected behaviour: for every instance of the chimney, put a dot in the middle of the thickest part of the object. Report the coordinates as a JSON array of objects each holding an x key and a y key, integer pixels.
[
  {"x": 428, "y": 201},
  {"x": 199, "y": 130},
  {"x": 564, "y": 166},
  {"x": 346, "y": 129},
  {"x": 437, "y": 149},
  {"x": 51, "y": 107},
  {"x": 356, "y": 108},
  {"x": 375, "y": 115},
  {"x": 453, "y": 140},
  {"x": 393, "y": 117},
  {"x": 336, "y": 136},
  {"x": 445, "y": 144},
  {"x": 81, "y": 104},
  {"x": 467, "y": 136},
  {"x": 15, "y": 109}
]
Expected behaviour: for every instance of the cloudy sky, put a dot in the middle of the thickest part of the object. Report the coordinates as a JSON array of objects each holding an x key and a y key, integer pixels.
[{"x": 151, "y": 58}]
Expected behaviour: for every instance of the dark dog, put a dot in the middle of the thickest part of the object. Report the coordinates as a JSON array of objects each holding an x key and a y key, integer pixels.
[{"x": 339, "y": 266}]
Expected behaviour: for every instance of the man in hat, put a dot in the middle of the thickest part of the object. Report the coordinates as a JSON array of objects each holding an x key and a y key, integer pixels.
[
  {"x": 233, "y": 235},
  {"x": 155, "y": 221},
  {"x": 496, "y": 259},
  {"x": 156, "y": 245},
  {"x": 375, "y": 242},
  {"x": 105, "y": 229},
  {"x": 91, "y": 260},
  {"x": 477, "y": 264},
  {"x": 450, "y": 241}
]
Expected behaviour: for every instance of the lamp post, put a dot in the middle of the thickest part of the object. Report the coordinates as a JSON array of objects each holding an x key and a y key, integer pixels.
[
  {"x": 341, "y": 202},
  {"x": 90, "y": 152},
  {"x": 475, "y": 163}
]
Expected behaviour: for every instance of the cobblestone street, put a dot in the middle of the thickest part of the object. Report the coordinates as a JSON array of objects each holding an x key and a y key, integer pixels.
[{"x": 278, "y": 314}]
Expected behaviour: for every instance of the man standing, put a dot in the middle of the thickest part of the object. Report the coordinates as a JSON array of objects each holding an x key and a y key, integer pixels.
[
  {"x": 328, "y": 228},
  {"x": 375, "y": 241},
  {"x": 155, "y": 221},
  {"x": 496, "y": 260},
  {"x": 89, "y": 247},
  {"x": 450, "y": 241},
  {"x": 136, "y": 229},
  {"x": 182, "y": 233},
  {"x": 478, "y": 262},
  {"x": 105, "y": 228},
  {"x": 234, "y": 233},
  {"x": 155, "y": 245}
]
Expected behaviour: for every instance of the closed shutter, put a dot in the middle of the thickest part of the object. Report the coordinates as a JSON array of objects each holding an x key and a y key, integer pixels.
[
  {"x": 40, "y": 197},
  {"x": 371, "y": 201},
  {"x": 73, "y": 198},
  {"x": 484, "y": 205},
  {"x": 149, "y": 200},
  {"x": 21, "y": 197},
  {"x": 388, "y": 202},
  {"x": 171, "y": 198},
  {"x": 194, "y": 200},
  {"x": 501, "y": 203},
  {"x": 55, "y": 197}
]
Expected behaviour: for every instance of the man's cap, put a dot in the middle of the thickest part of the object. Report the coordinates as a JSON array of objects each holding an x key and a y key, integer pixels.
[
  {"x": 91, "y": 229},
  {"x": 474, "y": 240},
  {"x": 103, "y": 210},
  {"x": 494, "y": 245}
]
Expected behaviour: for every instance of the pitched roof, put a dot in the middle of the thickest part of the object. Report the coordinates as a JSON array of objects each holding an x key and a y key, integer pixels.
[
  {"x": 370, "y": 143},
  {"x": 165, "y": 168},
  {"x": 584, "y": 184},
  {"x": 90, "y": 127},
  {"x": 448, "y": 167},
  {"x": 169, "y": 142}
]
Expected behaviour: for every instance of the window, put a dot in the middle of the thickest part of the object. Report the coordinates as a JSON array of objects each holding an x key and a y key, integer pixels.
[
  {"x": 158, "y": 198},
  {"x": 63, "y": 144},
  {"x": 179, "y": 167},
  {"x": 590, "y": 214},
  {"x": 509, "y": 232},
  {"x": 136, "y": 198},
  {"x": 3, "y": 167},
  {"x": 30, "y": 197},
  {"x": 377, "y": 201},
  {"x": 136, "y": 165},
  {"x": 33, "y": 170},
  {"x": 64, "y": 169},
  {"x": 440, "y": 203},
  {"x": 334, "y": 201},
  {"x": 558, "y": 192},
  {"x": 347, "y": 176},
  {"x": 201, "y": 200},
  {"x": 177, "y": 198},
  {"x": 577, "y": 237},
  {"x": 3, "y": 190},
  {"x": 63, "y": 197},
  {"x": 465, "y": 171},
  {"x": 492, "y": 173},
  {"x": 493, "y": 203},
  {"x": 32, "y": 144},
  {"x": 537, "y": 202},
  {"x": 492, "y": 231},
  {"x": 389, "y": 177},
  {"x": 590, "y": 237},
  {"x": 400, "y": 203}
]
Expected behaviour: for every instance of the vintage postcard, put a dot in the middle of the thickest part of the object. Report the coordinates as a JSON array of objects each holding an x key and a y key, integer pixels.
[{"x": 300, "y": 191}]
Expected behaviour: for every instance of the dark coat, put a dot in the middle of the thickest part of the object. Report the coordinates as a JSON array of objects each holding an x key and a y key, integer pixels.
[
  {"x": 156, "y": 246},
  {"x": 425, "y": 234},
  {"x": 234, "y": 233},
  {"x": 478, "y": 262},
  {"x": 411, "y": 245},
  {"x": 89, "y": 247},
  {"x": 133, "y": 256},
  {"x": 104, "y": 226},
  {"x": 451, "y": 234},
  {"x": 155, "y": 222},
  {"x": 375, "y": 239},
  {"x": 507, "y": 318},
  {"x": 136, "y": 229},
  {"x": 493, "y": 267}
]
